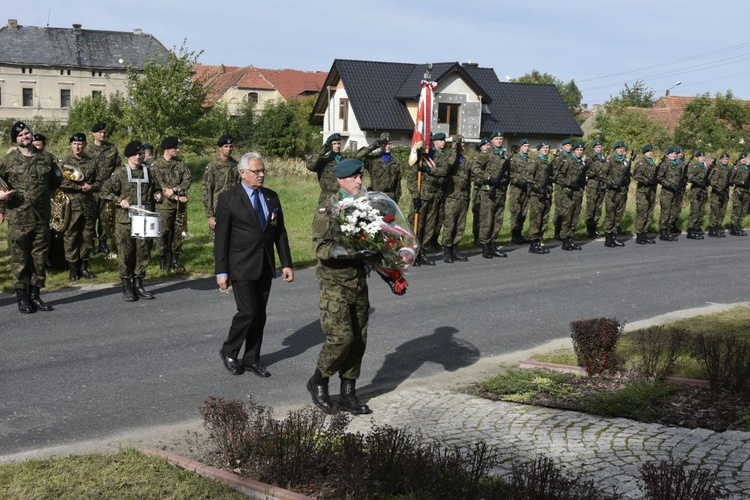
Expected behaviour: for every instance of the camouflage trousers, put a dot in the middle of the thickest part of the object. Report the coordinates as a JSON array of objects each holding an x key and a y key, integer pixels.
[
  {"x": 558, "y": 199},
  {"x": 344, "y": 323},
  {"x": 475, "y": 210},
  {"x": 645, "y": 202},
  {"x": 666, "y": 201},
  {"x": 454, "y": 225},
  {"x": 28, "y": 247},
  {"x": 539, "y": 208},
  {"x": 132, "y": 253},
  {"x": 614, "y": 205},
  {"x": 718, "y": 209},
  {"x": 519, "y": 203},
  {"x": 698, "y": 198},
  {"x": 677, "y": 206},
  {"x": 740, "y": 205},
  {"x": 428, "y": 217},
  {"x": 594, "y": 202},
  {"x": 570, "y": 211},
  {"x": 171, "y": 234},
  {"x": 491, "y": 212},
  {"x": 80, "y": 235}
]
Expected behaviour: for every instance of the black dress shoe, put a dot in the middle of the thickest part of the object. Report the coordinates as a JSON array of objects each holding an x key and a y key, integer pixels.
[
  {"x": 231, "y": 364},
  {"x": 259, "y": 370}
]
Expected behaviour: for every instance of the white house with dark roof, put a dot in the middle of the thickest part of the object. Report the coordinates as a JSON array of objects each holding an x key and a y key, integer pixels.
[
  {"x": 44, "y": 70},
  {"x": 362, "y": 99}
]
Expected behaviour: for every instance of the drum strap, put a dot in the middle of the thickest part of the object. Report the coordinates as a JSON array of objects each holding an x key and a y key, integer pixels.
[{"x": 138, "y": 183}]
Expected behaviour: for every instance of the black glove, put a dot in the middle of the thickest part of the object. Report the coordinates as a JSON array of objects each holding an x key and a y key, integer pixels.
[
  {"x": 377, "y": 144},
  {"x": 416, "y": 203},
  {"x": 368, "y": 255},
  {"x": 425, "y": 169}
]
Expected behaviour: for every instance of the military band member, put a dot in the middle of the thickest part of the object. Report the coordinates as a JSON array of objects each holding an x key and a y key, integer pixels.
[
  {"x": 475, "y": 209},
  {"x": 645, "y": 174},
  {"x": 720, "y": 180},
  {"x": 220, "y": 175},
  {"x": 132, "y": 185},
  {"x": 669, "y": 178},
  {"x": 173, "y": 178},
  {"x": 107, "y": 159},
  {"x": 457, "y": 191},
  {"x": 616, "y": 173},
  {"x": 39, "y": 141},
  {"x": 324, "y": 164},
  {"x": 740, "y": 195},
  {"x": 517, "y": 193},
  {"x": 148, "y": 154},
  {"x": 31, "y": 176},
  {"x": 79, "y": 237},
  {"x": 562, "y": 155},
  {"x": 490, "y": 172},
  {"x": 698, "y": 176},
  {"x": 596, "y": 190},
  {"x": 539, "y": 182},
  {"x": 383, "y": 167}
]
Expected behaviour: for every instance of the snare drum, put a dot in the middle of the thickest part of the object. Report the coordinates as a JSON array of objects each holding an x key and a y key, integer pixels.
[{"x": 145, "y": 226}]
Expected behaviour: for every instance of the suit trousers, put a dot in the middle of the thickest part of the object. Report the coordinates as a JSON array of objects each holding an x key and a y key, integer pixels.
[{"x": 248, "y": 323}]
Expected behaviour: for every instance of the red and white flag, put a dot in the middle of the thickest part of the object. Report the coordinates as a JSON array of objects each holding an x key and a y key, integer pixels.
[{"x": 423, "y": 122}]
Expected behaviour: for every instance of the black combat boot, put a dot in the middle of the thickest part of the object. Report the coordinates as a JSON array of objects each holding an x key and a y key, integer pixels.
[
  {"x": 457, "y": 256},
  {"x": 36, "y": 301},
  {"x": 103, "y": 247},
  {"x": 422, "y": 259},
  {"x": 674, "y": 229},
  {"x": 84, "y": 272},
  {"x": 139, "y": 290},
  {"x": 128, "y": 294},
  {"x": 486, "y": 252},
  {"x": 317, "y": 386},
  {"x": 348, "y": 400},
  {"x": 692, "y": 234},
  {"x": 73, "y": 271},
  {"x": 639, "y": 239},
  {"x": 516, "y": 238},
  {"x": 573, "y": 244},
  {"x": 24, "y": 304},
  {"x": 535, "y": 247},
  {"x": 608, "y": 237},
  {"x": 163, "y": 263},
  {"x": 566, "y": 244},
  {"x": 447, "y": 257},
  {"x": 648, "y": 240},
  {"x": 495, "y": 252}
]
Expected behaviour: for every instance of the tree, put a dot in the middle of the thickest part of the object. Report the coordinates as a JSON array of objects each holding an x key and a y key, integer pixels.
[
  {"x": 616, "y": 123},
  {"x": 569, "y": 92},
  {"x": 89, "y": 110},
  {"x": 283, "y": 129},
  {"x": 637, "y": 95},
  {"x": 243, "y": 126},
  {"x": 714, "y": 124}
]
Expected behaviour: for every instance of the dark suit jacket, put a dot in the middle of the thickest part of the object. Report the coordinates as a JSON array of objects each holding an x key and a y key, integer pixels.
[{"x": 240, "y": 245}]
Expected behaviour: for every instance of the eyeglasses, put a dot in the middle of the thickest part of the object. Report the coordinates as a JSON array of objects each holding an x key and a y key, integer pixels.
[{"x": 256, "y": 172}]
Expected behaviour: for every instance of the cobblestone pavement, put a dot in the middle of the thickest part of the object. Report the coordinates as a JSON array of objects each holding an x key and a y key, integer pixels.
[{"x": 608, "y": 450}]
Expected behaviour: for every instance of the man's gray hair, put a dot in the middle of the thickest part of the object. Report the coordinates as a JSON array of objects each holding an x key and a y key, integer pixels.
[{"x": 244, "y": 163}]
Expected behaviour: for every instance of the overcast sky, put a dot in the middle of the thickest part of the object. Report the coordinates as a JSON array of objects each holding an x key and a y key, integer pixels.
[{"x": 601, "y": 44}]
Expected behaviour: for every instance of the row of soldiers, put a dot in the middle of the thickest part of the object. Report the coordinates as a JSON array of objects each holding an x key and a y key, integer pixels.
[{"x": 530, "y": 185}]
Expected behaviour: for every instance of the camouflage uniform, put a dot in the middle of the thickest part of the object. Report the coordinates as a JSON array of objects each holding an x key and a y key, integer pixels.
[
  {"x": 133, "y": 253},
  {"x": 492, "y": 188},
  {"x": 698, "y": 174},
  {"x": 617, "y": 179},
  {"x": 172, "y": 174},
  {"x": 324, "y": 164},
  {"x": 595, "y": 193},
  {"x": 740, "y": 198},
  {"x": 558, "y": 195},
  {"x": 669, "y": 178},
  {"x": 519, "y": 166},
  {"x": 645, "y": 196},
  {"x": 344, "y": 301},
  {"x": 107, "y": 159},
  {"x": 539, "y": 200},
  {"x": 218, "y": 177},
  {"x": 457, "y": 190},
  {"x": 720, "y": 180},
  {"x": 569, "y": 183},
  {"x": 384, "y": 170},
  {"x": 28, "y": 214},
  {"x": 679, "y": 195},
  {"x": 80, "y": 235},
  {"x": 428, "y": 212}
]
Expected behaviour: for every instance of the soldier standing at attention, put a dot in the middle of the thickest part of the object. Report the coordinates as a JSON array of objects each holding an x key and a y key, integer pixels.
[
  {"x": 517, "y": 194},
  {"x": 80, "y": 235},
  {"x": 131, "y": 185},
  {"x": 32, "y": 177},
  {"x": 645, "y": 174},
  {"x": 220, "y": 175},
  {"x": 680, "y": 194},
  {"x": 617, "y": 175},
  {"x": 475, "y": 201},
  {"x": 740, "y": 195},
  {"x": 148, "y": 154},
  {"x": 564, "y": 154},
  {"x": 438, "y": 178},
  {"x": 491, "y": 175},
  {"x": 721, "y": 180},
  {"x": 570, "y": 177},
  {"x": 383, "y": 167},
  {"x": 595, "y": 191},
  {"x": 669, "y": 178},
  {"x": 457, "y": 190},
  {"x": 324, "y": 164},
  {"x": 344, "y": 301},
  {"x": 107, "y": 157},
  {"x": 539, "y": 182},
  {"x": 173, "y": 178},
  {"x": 698, "y": 174}
]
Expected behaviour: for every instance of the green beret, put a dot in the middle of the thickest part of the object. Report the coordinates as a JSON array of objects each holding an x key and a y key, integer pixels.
[
  {"x": 148, "y": 147},
  {"x": 647, "y": 148},
  {"x": 743, "y": 155},
  {"x": 484, "y": 141},
  {"x": 679, "y": 149},
  {"x": 567, "y": 141},
  {"x": 724, "y": 155},
  {"x": 579, "y": 145},
  {"x": 521, "y": 142},
  {"x": 698, "y": 154},
  {"x": 620, "y": 144},
  {"x": 438, "y": 137},
  {"x": 333, "y": 137},
  {"x": 542, "y": 144},
  {"x": 496, "y": 133},
  {"x": 597, "y": 143},
  {"x": 349, "y": 167}
]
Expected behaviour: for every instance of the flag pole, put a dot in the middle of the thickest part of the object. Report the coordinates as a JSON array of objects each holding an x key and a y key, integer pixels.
[{"x": 422, "y": 126}]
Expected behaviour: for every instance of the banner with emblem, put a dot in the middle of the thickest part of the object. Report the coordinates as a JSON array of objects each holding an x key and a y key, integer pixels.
[{"x": 423, "y": 122}]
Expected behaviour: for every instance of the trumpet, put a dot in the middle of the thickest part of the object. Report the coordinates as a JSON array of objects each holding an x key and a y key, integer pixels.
[{"x": 72, "y": 173}]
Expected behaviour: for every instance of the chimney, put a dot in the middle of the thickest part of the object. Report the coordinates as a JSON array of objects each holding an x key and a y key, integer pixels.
[
  {"x": 77, "y": 28},
  {"x": 12, "y": 24},
  {"x": 469, "y": 64},
  {"x": 137, "y": 31}
]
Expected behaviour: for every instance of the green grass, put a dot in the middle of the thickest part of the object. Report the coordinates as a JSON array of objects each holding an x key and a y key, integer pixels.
[
  {"x": 521, "y": 385},
  {"x": 125, "y": 474},
  {"x": 637, "y": 400}
]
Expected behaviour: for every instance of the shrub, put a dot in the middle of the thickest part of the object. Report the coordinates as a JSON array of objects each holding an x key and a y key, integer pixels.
[
  {"x": 639, "y": 400},
  {"x": 726, "y": 359},
  {"x": 594, "y": 342},
  {"x": 658, "y": 349},
  {"x": 667, "y": 480},
  {"x": 541, "y": 479}
]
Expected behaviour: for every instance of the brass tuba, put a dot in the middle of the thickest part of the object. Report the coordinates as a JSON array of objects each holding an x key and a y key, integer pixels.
[
  {"x": 72, "y": 173},
  {"x": 60, "y": 217}
]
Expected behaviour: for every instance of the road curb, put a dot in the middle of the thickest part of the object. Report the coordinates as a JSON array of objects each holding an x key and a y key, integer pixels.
[{"x": 255, "y": 489}]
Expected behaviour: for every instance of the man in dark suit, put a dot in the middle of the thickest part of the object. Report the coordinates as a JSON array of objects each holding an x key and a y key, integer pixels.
[{"x": 249, "y": 223}]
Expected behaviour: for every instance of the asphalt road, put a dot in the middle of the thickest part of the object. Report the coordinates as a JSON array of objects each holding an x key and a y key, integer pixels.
[{"x": 98, "y": 366}]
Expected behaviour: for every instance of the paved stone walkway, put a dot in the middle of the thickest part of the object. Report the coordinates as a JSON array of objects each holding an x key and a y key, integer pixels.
[{"x": 608, "y": 450}]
